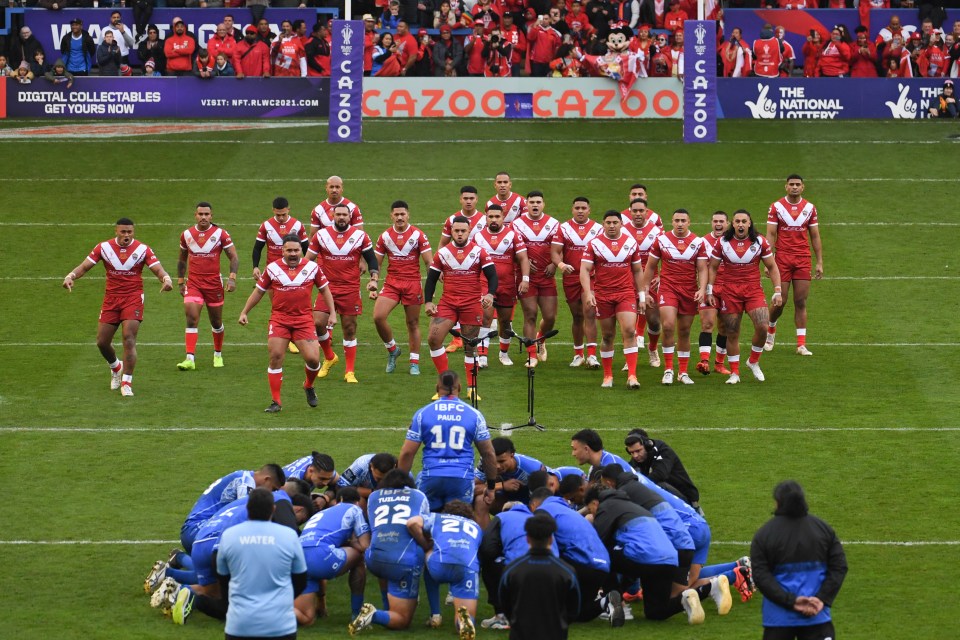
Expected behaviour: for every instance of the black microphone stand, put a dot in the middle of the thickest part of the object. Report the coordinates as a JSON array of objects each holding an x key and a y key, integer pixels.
[
  {"x": 531, "y": 374},
  {"x": 475, "y": 370}
]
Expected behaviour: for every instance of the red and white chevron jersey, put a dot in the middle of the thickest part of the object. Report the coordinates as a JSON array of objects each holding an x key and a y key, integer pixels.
[
  {"x": 645, "y": 236},
  {"x": 272, "y": 232},
  {"x": 792, "y": 222},
  {"x": 502, "y": 247},
  {"x": 124, "y": 265},
  {"x": 612, "y": 262},
  {"x": 292, "y": 289},
  {"x": 403, "y": 250},
  {"x": 515, "y": 205},
  {"x": 322, "y": 214},
  {"x": 741, "y": 258},
  {"x": 477, "y": 222},
  {"x": 462, "y": 271},
  {"x": 203, "y": 253},
  {"x": 574, "y": 238},
  {"x": 538, "y": 235},
  {"x": 678, "y": 259},
  {"x": 339, "y": 254}
]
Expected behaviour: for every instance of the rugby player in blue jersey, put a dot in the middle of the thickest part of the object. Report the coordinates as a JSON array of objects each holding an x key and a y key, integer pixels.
[
  {"x": 334, "y": 541},
  {"x": 449, "y": 429},
  {"x": 513, "y": 473},
  {"x": 586, "y": 446},
  {"x": 365, "y": 472}
]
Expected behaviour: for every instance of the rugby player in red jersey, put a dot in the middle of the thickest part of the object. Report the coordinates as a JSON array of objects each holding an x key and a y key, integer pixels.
[
  {"x": 512, "y": 204},
  {"x": 200, "y": 249},
  {"x": 538, "y": 231},
  {"x": 464, "y": 265},
  {"x": 468, "y": 209},
  {"x": 567, "y": 249},
  {"x": 614, "y": 259},
  {"x": 322, "y": 214},
  {"x": 719, "y": 223},
  {"x": 684, "y": 258},
  {"x": 123, "y": 258},
  {"x": 339, "y": 250},
  {"x": 507, "y": 250},
  {"x": 405, "y": 246},
  {"x": 292, "y": 279},
  {"x": 792, "y": 227},
  {"x": 739, "y": 251},
  {"x": 644, "y": 228}
]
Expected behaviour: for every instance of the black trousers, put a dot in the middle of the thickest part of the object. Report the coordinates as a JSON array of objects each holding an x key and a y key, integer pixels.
[
  {"x": 591, "y": 581},
  {"x": 812, "y": 632},
  {"x": 657, "y": 582}
]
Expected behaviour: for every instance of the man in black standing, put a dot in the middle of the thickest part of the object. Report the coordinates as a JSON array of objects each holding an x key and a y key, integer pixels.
[{"x": 539, "y": 592}]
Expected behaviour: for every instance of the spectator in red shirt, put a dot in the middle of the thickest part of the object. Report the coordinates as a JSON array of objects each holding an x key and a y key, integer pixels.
[
  {"x": 835, "y": 57},
  {"x": 251, "y": 57},
  {"x": 473, "y": 49},
  {"x": 579, "y": 24},
  {"x": 786, "y": 52},
  {"x": 515, "y": 37},
  {"x": 767, "y": 56},
  {"x": 863, "y": 56},
  {"x": 544, "y": 41},
  {"x": 933, "y": 61},
  {"x": 737, "y": 60},
  {"x": 675, "y": 17},
  {"x": 178, "y": 49},
  {"x": 221, "y": 42},
  {"x": 407, "y": 47},
  {"x": 811, "y": 53},
  {"x": 497, "y": 55},
  {"x": 369, "y": 42}
]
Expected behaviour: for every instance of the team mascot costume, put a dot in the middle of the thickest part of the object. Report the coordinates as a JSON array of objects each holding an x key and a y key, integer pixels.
[{"x": 618, "y": 63}]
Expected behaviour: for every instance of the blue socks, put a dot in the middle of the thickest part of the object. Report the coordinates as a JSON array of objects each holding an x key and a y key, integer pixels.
[
  {"x": 381, "y": 617},
  {"x": 729, "y": 569},
  {"x": 356, "y": 601},
  {"x": 433, "y": 593}
]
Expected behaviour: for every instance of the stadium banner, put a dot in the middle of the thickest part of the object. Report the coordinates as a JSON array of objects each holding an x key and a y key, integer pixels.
[
  {"x": 827, "y": 98},
  {"x": 185, "y": 97},
  {"x": 551, "y": 98},
  {"x": 50, "y": 26},
  {"x": 346, "y": 81},
  {"x": 798, "y": 24},
  {"x": 700, "y": 81}
]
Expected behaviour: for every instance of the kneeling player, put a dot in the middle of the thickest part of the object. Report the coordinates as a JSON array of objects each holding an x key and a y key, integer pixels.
[
  {"x": 334, "y": 541},
  {"x": 739, "y": 252},
  {"x": 450, "y": 541},
  {"x": 292, "y": 279},
  {"x": 393, "y": 556}
]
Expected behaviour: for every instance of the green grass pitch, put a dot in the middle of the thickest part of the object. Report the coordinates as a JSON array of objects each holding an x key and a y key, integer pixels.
[{"x": 98, "y": 484}]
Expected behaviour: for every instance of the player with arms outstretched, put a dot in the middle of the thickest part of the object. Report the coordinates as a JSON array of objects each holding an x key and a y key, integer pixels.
[
  {"x": 200, "y": 248},
  {"x": 124, "y": 258}
]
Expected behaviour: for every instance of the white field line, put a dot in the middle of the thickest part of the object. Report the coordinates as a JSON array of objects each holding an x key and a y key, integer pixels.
[
  {"x": 113, "y": 430},
  {"x": 728, "y": 543},
  {"x": 559, "y": 343},
  {"x": 649, "y": 179},
  {"x": 207, "y": 141}
]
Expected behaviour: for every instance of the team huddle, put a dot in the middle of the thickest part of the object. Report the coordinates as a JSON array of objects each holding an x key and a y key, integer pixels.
[
  {"x": 624, "y": 531},
  {"x": 623, "y": 270}
]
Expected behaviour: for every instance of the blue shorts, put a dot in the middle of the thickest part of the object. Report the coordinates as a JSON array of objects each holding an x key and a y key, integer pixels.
[
  {"x": 403, "y": 579},
  {"x": 323, "y": 563},
  {"x": 462, "y": 580},
  {"x": 700, "y": 532},
  {"x": 440, "y": 490},
  {"x": 204, "y": 561},
  {"x": 188, "y": 533}
]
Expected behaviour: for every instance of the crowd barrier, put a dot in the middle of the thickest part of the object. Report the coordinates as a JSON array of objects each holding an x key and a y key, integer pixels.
[{"x": 594, "y": 98}]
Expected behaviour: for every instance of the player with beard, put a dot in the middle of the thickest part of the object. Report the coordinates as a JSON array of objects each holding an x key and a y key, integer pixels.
[
  {"x": 513, "y": 204},
  {"x": 719, "y": 223},
  {"x": 566, "y": 250},
  {"x": 615, "y": 259},
  {"x": 340, "y": 249},
  {"x": 538, "y": 231},
  {"x": 468, "y": 209},
  {"x": 740, "y": 250},
  {"x": 645, "y": 228},
  {"x": 684, "y": 258},
  {"x": 508, "y": 251},
  {"x": 405, "y": 245},
  {"x": 463, "y": 265},
  {"x": 292, "y": 280},
  {"x": 790, "y": 221}
]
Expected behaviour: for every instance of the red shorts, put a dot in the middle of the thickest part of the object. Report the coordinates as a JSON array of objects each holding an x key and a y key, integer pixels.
[
  {"x": 546, "y": 288},
  {"x": 683, "y": 301},
  {"x": 469, "y": 314},
  {"x": 736, "y": 300},
  {"x": 572, "y": 290},
  {"x": 406, "y": 292},
  {"x": 347, "y": 302},
  {"x": 292, "y": 328},
  {"x": 506, "y": 294},
  {"x": 116, "y": 309},
  {"x": 204, "y": 293},
  {"x": 717, "y": 290},
  {"x": 610, "y": 307},
  {"x": 793, "y": 267}
]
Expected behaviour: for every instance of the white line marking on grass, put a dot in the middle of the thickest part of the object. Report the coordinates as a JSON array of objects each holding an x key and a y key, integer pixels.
[
  {"x": 212, "y": 140},
  {"x": 728, "y": 543},
  {"x": 281, "y": 179},
  {"x": 559, "y": 343},
  {"x": 515, "y": 428}
]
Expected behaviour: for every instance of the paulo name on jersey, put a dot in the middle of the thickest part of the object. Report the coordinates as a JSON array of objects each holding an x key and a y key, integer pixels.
[{"x": 447, "y": 430}]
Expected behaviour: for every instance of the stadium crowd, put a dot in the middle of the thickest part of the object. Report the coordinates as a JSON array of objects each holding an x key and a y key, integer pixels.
[{"x": 492, "y": 38}]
